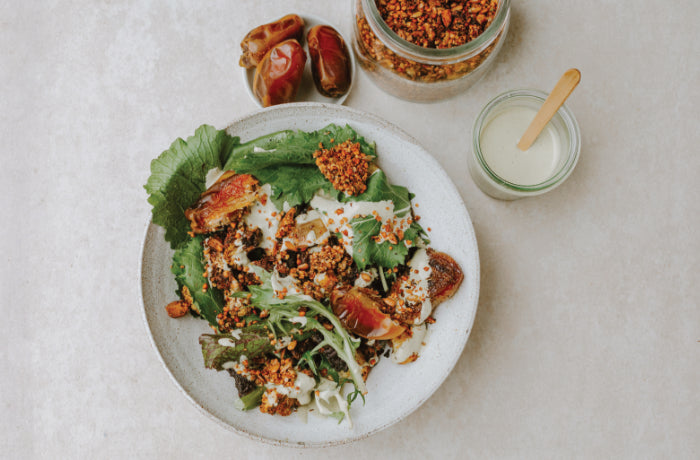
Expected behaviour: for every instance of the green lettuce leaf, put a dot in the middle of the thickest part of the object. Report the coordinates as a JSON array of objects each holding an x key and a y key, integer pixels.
[
  {"x": 249, "y": 400},
  {"x": 252, "y": 341},
  {"x": 367, "y": 252},
  {"x": 291, "y": 148},
  {"x": 287, "y": 162},
  {"x": 178, "y": 178},
  {"x": 188, "y": 268},
  {"x": 294, "y": 185},
  {"x": 379, "y": 189}
]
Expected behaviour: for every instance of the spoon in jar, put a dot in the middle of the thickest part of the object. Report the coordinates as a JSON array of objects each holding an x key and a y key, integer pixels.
[{"x": 556, "y": 98}]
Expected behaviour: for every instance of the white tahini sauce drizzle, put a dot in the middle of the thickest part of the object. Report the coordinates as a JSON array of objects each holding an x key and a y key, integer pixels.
[
  {"x": 415, "y": 288},
  {"x": 329, "y": 399},
  {"x": 336, "y": 216},
  {"x": 257, "y": 149},
  {"x": 372, "y": 273},
  {"x": 300, "y": 389},
  {"x": 411, "y": 345},
  {"x": 264, "y": 216},
  {"x": 212, "y": 176}
]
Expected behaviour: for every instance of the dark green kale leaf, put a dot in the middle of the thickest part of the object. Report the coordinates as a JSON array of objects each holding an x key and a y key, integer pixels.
[
  {"x": 188, "y": 267},
  {"x": 379, "y": 189},
  {"x": 285, "y": 161},
  {"x": 178, "y": 178},
  {"x": 367, "y": 252}
]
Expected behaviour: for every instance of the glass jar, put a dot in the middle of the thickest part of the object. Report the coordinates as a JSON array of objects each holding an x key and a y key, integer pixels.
[
  {"x": 419, "y": 74},
  {"x": 563, "y": 126}
]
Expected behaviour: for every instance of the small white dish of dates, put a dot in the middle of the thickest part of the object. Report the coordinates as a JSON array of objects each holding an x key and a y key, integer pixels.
[{"x": 272, "y": 55}]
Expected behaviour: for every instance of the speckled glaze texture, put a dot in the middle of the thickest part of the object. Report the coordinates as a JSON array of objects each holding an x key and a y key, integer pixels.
[
  {"x": 586, "y": 340},
  {"x": 394, "y": 391}
]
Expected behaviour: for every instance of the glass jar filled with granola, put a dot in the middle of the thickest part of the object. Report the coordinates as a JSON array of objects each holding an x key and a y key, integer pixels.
[{"x": 428, "y": 50}]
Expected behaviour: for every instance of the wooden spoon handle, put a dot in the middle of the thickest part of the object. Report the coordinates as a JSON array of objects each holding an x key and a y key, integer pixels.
[{"x": 556, "y": 98}]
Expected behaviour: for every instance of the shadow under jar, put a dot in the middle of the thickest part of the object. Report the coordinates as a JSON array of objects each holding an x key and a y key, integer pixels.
[{"x": 424, "y": 74}]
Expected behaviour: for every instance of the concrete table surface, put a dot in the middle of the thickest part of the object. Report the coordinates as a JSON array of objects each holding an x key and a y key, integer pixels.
[{"x": 587, "y": 339}]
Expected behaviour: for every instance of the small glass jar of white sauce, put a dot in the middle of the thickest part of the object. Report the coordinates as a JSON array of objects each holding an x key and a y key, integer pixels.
[{"x": 500, "y": 169}]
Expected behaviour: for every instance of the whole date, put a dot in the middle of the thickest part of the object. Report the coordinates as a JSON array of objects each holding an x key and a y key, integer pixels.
[
  {"x": 278, "y": 75},
  {"x": 261, "y": 39},
  {"x": 330, "y": 61}
]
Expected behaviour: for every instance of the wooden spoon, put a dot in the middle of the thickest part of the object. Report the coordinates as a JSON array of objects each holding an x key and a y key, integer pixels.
[{"x": 556, "y": 98}]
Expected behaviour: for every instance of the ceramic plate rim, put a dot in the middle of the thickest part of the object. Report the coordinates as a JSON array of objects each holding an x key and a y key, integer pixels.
[{"x": 445, "y": 370}]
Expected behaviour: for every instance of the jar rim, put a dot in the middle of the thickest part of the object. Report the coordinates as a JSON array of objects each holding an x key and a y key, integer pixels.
[
  {"x": 573, "y": 148},
  {"x": 410, "y": 50}
]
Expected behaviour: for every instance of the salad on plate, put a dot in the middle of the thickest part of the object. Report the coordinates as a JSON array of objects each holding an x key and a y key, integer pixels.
[{"x": 307, "y": 263}]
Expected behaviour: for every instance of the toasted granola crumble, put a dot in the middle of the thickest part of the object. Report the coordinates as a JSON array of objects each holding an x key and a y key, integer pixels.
[
  {"x": 373, "y": 52},
  {"x": 345, "y": 166},
  {"x": 274, "y": 403},
  {"x": 438, "y": 23}
]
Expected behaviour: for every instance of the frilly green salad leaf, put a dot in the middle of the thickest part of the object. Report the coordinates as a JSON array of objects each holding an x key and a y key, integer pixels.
[
  {"x": 178, "y": 177},
  {"x": 285, "y": 161},
  {"x": 284, "y": 311},
  {"x": 188, "y": 268}
]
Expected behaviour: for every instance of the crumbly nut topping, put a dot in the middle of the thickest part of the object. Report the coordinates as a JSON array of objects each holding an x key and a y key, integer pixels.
[
  {"x": 274, "y": 403},
  {"x": 438, "y": 23},
  {"x": 234, "y": 311},
  {"x": 279, "y": 372},
  {"x": 345, "y": 166},
  {"x": 374, "y": 52},
  {"x": 287, "y": 225}
]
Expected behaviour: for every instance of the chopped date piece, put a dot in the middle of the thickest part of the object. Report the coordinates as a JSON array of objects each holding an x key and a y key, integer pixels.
[
  {"x": 359, "y": 310},
  {"x": 261, "y": 39},
  {"x": 345, "y": 166},
  {"x": 223, "y": 202}
]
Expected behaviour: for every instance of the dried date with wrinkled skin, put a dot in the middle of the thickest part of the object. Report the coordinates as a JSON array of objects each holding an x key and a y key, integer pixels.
[
  {"x": 278, "y": 76},
  {"x": 261, "y": 39},
  {"x": 330, "y": 61}
]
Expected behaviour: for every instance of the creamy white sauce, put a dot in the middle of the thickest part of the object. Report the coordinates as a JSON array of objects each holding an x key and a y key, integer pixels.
[
  {"x": 329, "y": 399},
  {"x": 300, "y": 320},
  {"x": 420, "y": 263},
  {"x": 212, "y": 176},
  {"x": 264, "y": 217},
  {"x": 300, "y": 389},
  {"x": 337, "y": 216},
  {"x": 257, "y": 149},
  {"x": 498, "y": 142},
  {"x": 372, "y": 273},
  {"x": 271, "y": 396},
  {"x": 283, "y": 285},
  {"x": 415, "y": 288},
  {"x": 411, "y": 345},
  {"x": 226, "y": 342}
]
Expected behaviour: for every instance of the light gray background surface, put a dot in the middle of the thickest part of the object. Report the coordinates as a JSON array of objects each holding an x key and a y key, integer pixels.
[{"x": 586, "y": 342}]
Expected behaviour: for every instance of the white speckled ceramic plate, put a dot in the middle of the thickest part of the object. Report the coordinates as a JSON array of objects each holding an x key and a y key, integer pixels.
[
  {"x": 394, "y": 390},
  {"x": 307, "y": 89}
]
